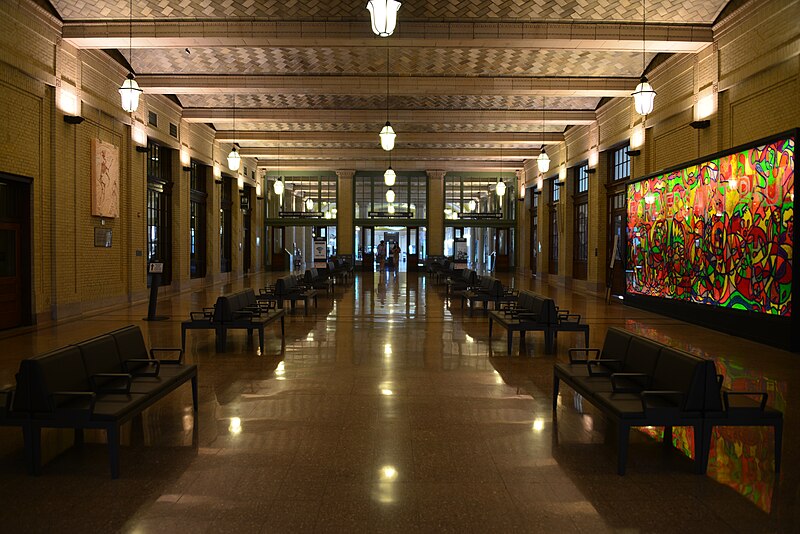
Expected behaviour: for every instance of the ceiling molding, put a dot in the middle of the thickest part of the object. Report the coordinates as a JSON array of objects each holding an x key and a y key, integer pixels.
[{"x": 511, "y": 139}]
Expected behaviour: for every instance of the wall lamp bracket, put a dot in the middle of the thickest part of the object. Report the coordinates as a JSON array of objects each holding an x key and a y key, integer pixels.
[
  {"x": 634, "y": 152},
  {"x": 73, "y": 119},
  {"x": 699, "y": 125},
  {"x": 591, "y": 171},
  {"x": 140, "y": 148}
]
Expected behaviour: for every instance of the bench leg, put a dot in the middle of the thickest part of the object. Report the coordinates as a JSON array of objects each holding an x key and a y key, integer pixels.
[
  {"x": 549, "y": 341},
  {"x": 283, "y": 329},
  {"x": 112, "y": 436},
  {"x": 701, "y": 456},
  {"x": 222, "y": 339},
  {"x": 555, "y": 395},
  {"x": 490, "y": 326},
  {"x": 183, "y": 338},
  {"x": 778, "y": 444},
  {"x": 667, "y": 442},
  {"x": 31, "y": 437},
  {"x": 261, "y": 339},
  {"x": 586, "y": 338},
  {"x": 623, "y": 435},
  {"x": 510, "y": 340},
  {"x": 194, "y": 397}
]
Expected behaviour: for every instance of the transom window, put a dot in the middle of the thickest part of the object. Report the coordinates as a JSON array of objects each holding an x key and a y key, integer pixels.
[
  {"x": 582, "y": 178},
  {"x": 620, "y": 164}
]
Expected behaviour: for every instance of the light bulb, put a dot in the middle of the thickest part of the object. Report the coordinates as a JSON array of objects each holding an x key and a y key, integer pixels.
[
  {"x": 389, "y": 196},
  {"x": 309, "y": 204}
]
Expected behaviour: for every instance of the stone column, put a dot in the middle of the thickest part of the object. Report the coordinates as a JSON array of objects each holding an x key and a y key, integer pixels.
[
  {"x": 180, "y": 224},
  {"x": 435, "y": 244},
  {"x": 522, "y": 235},
  {"x": 598, "y": 225},
  {"x": 345, "y": 229}
]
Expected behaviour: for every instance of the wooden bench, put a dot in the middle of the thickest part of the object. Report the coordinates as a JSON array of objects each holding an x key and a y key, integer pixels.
[
  {"x": 240, "y": 310},
  {"x": 292, "y": 289},
  {"x": 637, "y": 382},
  {"x": 463, "y": 280},
  {"x": 488, "y": 290},
  {"x": 317, "y": 280},
  {"x": 101, "y": 383}
]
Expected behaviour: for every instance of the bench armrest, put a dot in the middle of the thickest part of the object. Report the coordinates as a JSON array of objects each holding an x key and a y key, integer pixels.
[
  {"x": 8, "y": 394},
  {"x": 763, "y": 395},
  {"x": 573, "y": 359},
  {"x": 677, "y": 396},
  {"x": 597, "y": 362},
  {"x": 102, "y": 389},
  {"x": 162, "y": 361},
  {"x": 569, "y": 317},
  {"x": 146, "y": 361},
  {"x": 199, "y": 316},
  {"x": 528, "y": 315},
  {"x": 73, "y": 394},
  {"x": 615, "y": 377}
]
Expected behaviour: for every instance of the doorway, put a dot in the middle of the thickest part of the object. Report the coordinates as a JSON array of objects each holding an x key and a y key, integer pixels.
[{"x": 15, "y": 253}]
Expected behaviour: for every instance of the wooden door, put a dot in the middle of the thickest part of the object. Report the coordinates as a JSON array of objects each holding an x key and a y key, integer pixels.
[
  {"x": 502, "y": 248},
  {"x": 279, "y": 257},
  {"x": 368, "y": 246},
  {"x": 412, "y": 248},
  {"x": 10, "y": 275}
]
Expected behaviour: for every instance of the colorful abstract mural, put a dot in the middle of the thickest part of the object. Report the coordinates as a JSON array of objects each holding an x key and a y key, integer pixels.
[{"x": 717, "y": 233}]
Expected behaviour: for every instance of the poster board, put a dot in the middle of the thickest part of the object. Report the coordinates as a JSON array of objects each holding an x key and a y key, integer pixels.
[
  {"x": 320, "y": 252},
  {"x": 460, "y": 250}
]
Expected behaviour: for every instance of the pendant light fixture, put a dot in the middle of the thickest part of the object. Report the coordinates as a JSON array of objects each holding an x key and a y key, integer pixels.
[
  {"x": 390, "y": 196},
  {"x": 383, "y": 15},
  {"x": 543, "y": 161},
  {"x": 644, "y": 96},
  {"x": 130, "y": 91},
  {"x": 234, "y": 159},
  {"x": 389, "y": 177},
  {"x": 501, "y": 188},
  {"x": 387, "y": 134},
  {"x": 278, "y": 186},
  {"x": 309, "y": 204}
]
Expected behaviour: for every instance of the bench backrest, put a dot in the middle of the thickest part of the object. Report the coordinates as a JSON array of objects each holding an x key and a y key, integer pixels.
[
  {"x": 285, "y": 285},
  {"x": 679, "y": 371},
  {"x": 100, "y": 355},
  {"x": 615, "y": 346},
  {"x": 130, "y": 346},
  {"x": 642, "y": 356},
  {"x": 59, "y": 370},
  {"x": 544, "y": 308}
]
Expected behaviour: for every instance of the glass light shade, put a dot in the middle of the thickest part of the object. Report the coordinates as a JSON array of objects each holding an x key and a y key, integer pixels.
[
  {"x": 389, "y": 177},
  {"x": 234, "y": 160},
  {"x": 387, "y": 137},
  {"x": 389, "y": 196},
  {"x": 186, "y": 158},
  {"x": 501, "y": 189},
  {"x": 258, "y": 189},
  {"x": 543, "y": 161},
  {"x": 643, "y": 97},
  {"x": 540, "y": 183},
  {"x": 240, "y": 182},
  {"x": 472, "y": 205},
  {"x": 383, "y": 15},
  {"x": 278, "y": 187},
  {"x": 139, "y": 134},
  {"x": 309, "y": 204},
  {"x": 391, "y": 208},
  {"x": 129, "y": 93}
]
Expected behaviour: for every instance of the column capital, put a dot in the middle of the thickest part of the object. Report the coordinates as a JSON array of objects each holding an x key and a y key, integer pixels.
[
  {"x": 345, "y": 174},
  {"x": 439, "y": 175}
]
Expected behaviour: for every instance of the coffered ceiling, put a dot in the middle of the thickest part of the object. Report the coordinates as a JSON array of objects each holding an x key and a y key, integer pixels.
[{"x": 468, "y": 79}]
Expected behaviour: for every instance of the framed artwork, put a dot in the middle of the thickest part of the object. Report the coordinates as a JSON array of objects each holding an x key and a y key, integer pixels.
[
  {"x": 102, "y": 237},
  {"x": 105, "y": 179}
]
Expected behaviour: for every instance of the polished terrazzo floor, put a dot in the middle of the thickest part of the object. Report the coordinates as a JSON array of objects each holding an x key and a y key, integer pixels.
[{"x": 390, "y": 410}]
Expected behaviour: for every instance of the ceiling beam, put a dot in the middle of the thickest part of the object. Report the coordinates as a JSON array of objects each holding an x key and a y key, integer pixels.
[
  {"x": 169, "y": 33},
  {"x": 552, "y": 118},
  {"x": 179, "y": 84},
  {"x": 398, "y": 154},
  {"x": 276, "y": 138},
  {"x": 415, "y": 165}
]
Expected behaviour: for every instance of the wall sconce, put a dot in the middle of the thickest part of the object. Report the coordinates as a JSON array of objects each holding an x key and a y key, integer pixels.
[
  {"x": 540, "y": 183},
  {"x": 217, "y": 172},
  {"x": 594, "y": 157},
  {"x": 700, "y": 125},
  {"x": 562, "y": 173},
  {"x": 68, "y": 103},
  {"x": 705, "y": 106},
  {"x": 139, "y": 136},
  {"x": 591, "y": 170},
  {"x": 73, "y": 119},
  {"x": 637, "y": 136},
  {"x": 186, "y": 159},
  {"x": 240, "y": 182},
  {"x": 259, "y": 196}
]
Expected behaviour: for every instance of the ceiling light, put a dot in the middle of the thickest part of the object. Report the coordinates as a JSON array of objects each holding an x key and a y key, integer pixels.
[
  {"x": 130, "y": 91},
  {"x": 472, "y": 205},
  {"x": 387, "y": 137},
  {"x": 278, "y": 187},
  {"x": 234, "y": 159},
  {"x": 383, "y": 15},
  {"x": 389, "y": 177},
  {"x": 389, "y": 196},
  {"x": 644, "y": 95},
  {"x": 309, "y": 204},
  {"x": 501, "y": 188},
  {"x": 391, "y": 209},
  {"x": 543, "y": 161}
]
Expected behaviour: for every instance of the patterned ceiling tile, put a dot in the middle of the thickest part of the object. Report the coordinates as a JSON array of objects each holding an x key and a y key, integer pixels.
[
  {"x": 289, "y": 101},
  {"x": 343, "y": 61},
  {"x": 374, "y": 127},
  {"x": 677, "y": 11}
]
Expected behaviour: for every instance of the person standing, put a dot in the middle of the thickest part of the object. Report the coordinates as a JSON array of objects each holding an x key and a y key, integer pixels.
[
  {"x": 381, "y": 255},
  {"x": 396, "y": 257}
]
